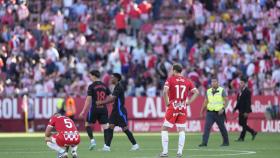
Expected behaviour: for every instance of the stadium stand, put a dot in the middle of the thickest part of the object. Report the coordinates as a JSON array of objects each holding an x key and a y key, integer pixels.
[{"x": 49, "y": 46}]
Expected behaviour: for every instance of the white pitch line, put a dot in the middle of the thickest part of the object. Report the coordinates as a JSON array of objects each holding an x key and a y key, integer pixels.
[
  {"x": 238, "y": 152},
  {"x": 117, "y": 134},
  {"x": 23, "y": 152}
]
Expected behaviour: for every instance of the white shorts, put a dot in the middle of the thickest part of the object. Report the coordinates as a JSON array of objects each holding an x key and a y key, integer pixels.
[{"x": 171, "y": 125}]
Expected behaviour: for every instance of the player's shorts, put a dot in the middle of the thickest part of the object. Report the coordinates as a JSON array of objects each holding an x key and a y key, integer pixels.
[
  {"x": 68, "y": 138},
  {"x": 119, "y": 118},
  {"x": 98, "y": 114},
  {"x": 177, "y": 116}
]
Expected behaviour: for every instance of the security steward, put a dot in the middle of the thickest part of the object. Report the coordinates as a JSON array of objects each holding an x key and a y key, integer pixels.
[
  {"x": 215, "y": 103},
  {"x": 70, "y": 107}
]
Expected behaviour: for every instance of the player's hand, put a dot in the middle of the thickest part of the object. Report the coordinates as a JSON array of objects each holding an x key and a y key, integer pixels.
[
  {"x": 167, "y": 105},
  {"x": 48, "y": 139},
  {"x": 188, "y": 103},
  {"x": 82, "y": 114},
  {"x": 245, "y": 114},
  {"x": 98, "y": 103}
]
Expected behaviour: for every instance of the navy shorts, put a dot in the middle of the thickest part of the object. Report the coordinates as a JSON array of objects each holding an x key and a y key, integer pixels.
[
  {"x": 97, "y": 114},
  {"x": 119, "y": 119}
]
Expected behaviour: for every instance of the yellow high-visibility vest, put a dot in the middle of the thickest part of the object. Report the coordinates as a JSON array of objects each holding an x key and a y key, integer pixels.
[
  {"x": 59, "y": 103},
  {"x": 216, "y": 101}
]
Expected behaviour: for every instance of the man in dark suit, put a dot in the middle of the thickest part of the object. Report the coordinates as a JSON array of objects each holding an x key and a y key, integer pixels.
[{"x": 243, "y": 105}]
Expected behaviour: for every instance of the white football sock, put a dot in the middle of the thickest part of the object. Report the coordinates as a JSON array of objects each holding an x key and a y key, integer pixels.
[
  {"x": 181, "y": 141},
  {"x": 55, "y": 147},
  {"x": 164, "y": 141},
  {"x": 74, "y": 149}
]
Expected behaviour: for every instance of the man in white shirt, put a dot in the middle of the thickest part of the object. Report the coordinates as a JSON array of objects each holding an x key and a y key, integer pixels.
[
  {"x": 52, "y": 53},
  {"x": 138, "y": 53},
  {"x": 276, "y": 75}
]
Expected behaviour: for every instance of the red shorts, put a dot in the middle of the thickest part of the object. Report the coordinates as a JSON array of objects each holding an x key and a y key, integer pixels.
[
  {"x": 66, "y": 139},
  {"x": 177, "y": 116}
]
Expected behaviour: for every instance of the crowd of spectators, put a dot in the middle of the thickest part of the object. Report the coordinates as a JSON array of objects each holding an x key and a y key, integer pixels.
[{"x": 141, "y": 39}]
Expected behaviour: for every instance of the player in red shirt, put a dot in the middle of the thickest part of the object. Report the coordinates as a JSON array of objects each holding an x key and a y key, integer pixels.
[
  {"x": 175, "y": 93},
  {"x": 67, "y": 135}
]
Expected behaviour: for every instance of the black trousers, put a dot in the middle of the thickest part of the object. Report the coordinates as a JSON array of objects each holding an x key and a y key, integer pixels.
[
  {"x": 211, "y": 118},
  {"x": 245, "y": 127}
]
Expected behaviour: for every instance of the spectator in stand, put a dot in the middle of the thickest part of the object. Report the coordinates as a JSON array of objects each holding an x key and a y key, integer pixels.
[
  {"x": 145, "y": 8},
  {"x": 162, "y": 69},
  {"x": 120, "y": 21},
  {"x": 198, "y": 11},
  {"x": 52, "y": 53},
  {"x": 8, "y": 18},
  {"x": 22, "y": 13},
  {"x": 58, "y": 22},
  {"x": 134, "y": 15},
  {"x": 268, "y": 85},
  {"x": 79, "y": 9},
  {"x": 227, "y": 38},
  {"x": 151, "y": 88}
]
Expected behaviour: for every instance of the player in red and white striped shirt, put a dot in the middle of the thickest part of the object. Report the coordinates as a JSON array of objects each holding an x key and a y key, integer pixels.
[{"x": 176, "y": 91}]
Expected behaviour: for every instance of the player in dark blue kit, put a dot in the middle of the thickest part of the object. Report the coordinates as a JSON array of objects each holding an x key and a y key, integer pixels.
[
  {"x": 118, "y": 116},
  {"x": 97, "y": 91}
]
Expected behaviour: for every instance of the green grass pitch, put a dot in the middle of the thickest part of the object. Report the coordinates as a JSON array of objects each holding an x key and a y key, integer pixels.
[{"x": 32, "y": 146}]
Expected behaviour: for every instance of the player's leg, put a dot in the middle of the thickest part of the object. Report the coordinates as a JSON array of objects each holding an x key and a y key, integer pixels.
[
  {"x": 104, "y": 121},
  {"x": 110, "y": 132},
  {"x": 105, "y": 128},
  {"x": 164, "y": 138},
  {"x": 91, "y": 119},
  {"x": 131, "y": 138},
  {"x": 181, "y": 141},
  {"x": 90, "y": 135},
  {"x": 74, "y": 149},
  {"x": 122, "y": 122},
  {"x": 52, "y": 144},
  {"x": 74, "y": 144},
  {"x": 181, "y": 128},
  {"x": 168, "y": 123}
]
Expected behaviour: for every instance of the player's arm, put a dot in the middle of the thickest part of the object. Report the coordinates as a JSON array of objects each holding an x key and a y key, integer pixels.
[
  {"x": 49, "y": 128},
  {"x": 48, "y": 131},
  {"x": 165, "y": 95},
  {"x": 90, "y": 92},
  {"x": 86, "y": 106},
  {"x": 109, "y": 99},
  {"x": 195, "y": 93}
]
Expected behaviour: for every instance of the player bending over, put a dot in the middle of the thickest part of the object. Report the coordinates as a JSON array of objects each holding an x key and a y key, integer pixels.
[
  {"x": 67, "y": 135},
  {"x": 176, "y": 91}
]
